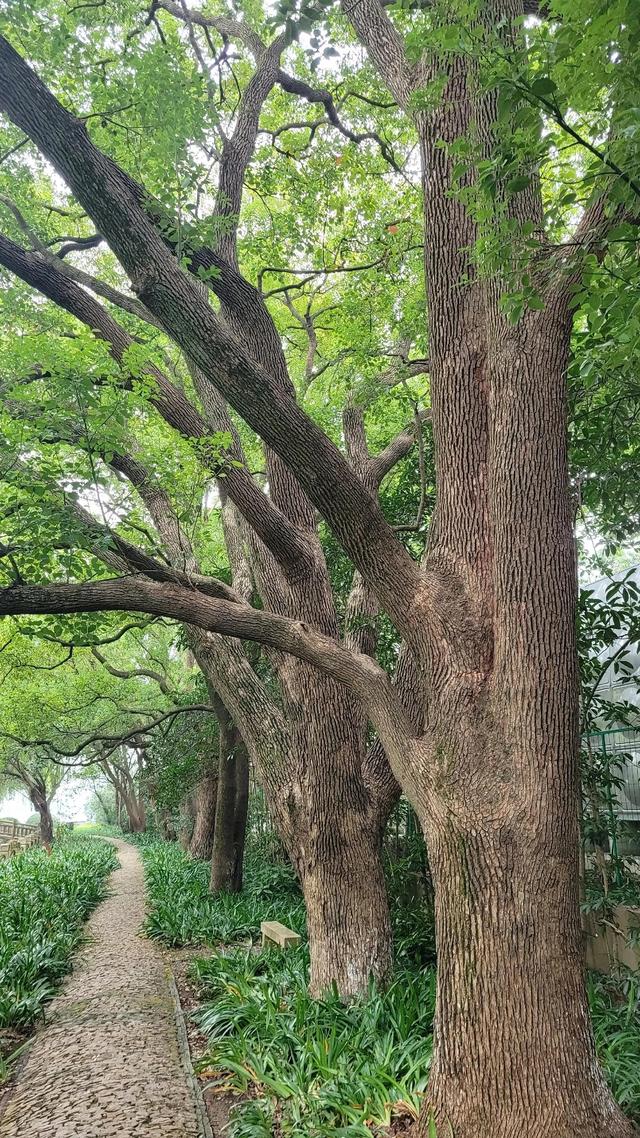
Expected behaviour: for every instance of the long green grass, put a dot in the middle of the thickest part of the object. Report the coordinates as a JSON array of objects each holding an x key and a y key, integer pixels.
[
  {"x": 317, "y": 1066},
  {"x": 181, "y": 911},
  {"x": 615, "y": 1014},
  {"x": 44, "y": 901}
]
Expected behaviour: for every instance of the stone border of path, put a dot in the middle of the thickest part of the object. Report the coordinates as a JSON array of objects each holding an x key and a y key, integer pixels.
[
  {"x": 113, "y": 1060},
  {"x": 185, "y": 1054}
]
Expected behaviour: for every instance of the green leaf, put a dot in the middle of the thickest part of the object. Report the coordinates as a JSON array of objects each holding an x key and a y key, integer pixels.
[
  {"x": 519, "y": 183},
  {"x": 543, "y": 87}
]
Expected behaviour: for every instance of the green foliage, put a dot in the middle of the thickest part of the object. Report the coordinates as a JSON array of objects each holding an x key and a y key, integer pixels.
[
  {"x": 608, "y": 635},
  {"x": 44, "y": 901},
  {"x": 175, "y": 759},
  {"x": 321, "y": 1068},
  {"x": 624, "y": 889},
  {"x": 608, "y": 639},
  {"x": 182, "y": 911},
  {"x": 9, "y": 1059},
  {"x": 615, "y": 1015}
]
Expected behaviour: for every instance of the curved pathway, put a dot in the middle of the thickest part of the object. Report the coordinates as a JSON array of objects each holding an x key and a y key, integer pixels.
[{"x": 108, "y": 1063}]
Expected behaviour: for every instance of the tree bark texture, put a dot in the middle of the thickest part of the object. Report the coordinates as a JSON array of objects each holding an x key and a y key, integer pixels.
[
  {"x": 231, "y": 805},
  {"x": 205, "y": 795},
  {"x": 347, "y": 909},
  {"x": 42, "y": 806},
  {"x": 513, "y": 1047}
]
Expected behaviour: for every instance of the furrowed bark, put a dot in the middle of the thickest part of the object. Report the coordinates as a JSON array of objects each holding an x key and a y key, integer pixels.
[
  {"x": 205, "y": 794},
  {"x": 513, "y": 1051},
  {"x": 41, "y": 804},
  {"x": 335, "y": 893},
  {"x": 228, "y": 845}
]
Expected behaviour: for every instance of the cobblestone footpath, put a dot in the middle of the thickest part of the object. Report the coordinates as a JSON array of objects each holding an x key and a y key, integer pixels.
[{"x": 108, "y": 1063}]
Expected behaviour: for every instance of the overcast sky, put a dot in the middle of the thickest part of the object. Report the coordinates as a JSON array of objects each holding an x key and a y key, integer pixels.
[{"x": 70, "y": 804}]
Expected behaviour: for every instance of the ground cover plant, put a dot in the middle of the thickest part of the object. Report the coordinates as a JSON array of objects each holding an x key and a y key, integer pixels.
[
  {"x": 308, "y": 1067},
  {"x": 614, "y": 1002},
  {"x": 312, "y": 1067},
  {"x": 296, "y": 214},
  {"x": 182, "y": 911},
  {"x": 44, "y": 900}
]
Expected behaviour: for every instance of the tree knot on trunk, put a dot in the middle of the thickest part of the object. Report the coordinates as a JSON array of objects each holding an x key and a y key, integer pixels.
[{"x": 143, "y": 283}]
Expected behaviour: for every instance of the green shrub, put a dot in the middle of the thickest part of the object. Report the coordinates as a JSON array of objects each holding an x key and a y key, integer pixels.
[
  {"x": 312, "y": 1068},
  {"x": 321, "y": 1067},
  {"x": 44, "y": 900}
]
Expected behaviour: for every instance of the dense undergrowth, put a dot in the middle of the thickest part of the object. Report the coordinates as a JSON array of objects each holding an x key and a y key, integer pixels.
[
  {"x": 312, "y": 1067},
  {"x": 315, "y": 1068},
  {"x": 44, "y": 901},
  {"x": 615, "y": 1014},
  {"x": 181, "y": 911}
]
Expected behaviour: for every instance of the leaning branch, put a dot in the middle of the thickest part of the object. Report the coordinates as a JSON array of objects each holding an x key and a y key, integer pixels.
[
  {"x": 111, "y": 740},
  {"x": 175, "y": 408},
  {"x": 359, "y": 673},
  {"x": 132, "y": 673},
  {"x": 113, "y": 201}
]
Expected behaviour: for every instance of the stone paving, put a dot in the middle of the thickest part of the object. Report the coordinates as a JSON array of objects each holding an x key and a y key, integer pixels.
[{"x": 108, "y": 1062}]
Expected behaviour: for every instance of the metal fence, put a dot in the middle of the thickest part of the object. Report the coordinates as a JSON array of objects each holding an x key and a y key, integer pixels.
[{"x": 621, "y": 748}]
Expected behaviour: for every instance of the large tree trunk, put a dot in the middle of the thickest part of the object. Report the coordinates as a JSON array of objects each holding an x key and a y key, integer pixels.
[
  {"x": 327, "y": 820},
  {"x": 205, "y": 794},
  {"x": 231, "y": 808},
  {"x": 513, "y": 1054},
  {"x": 347, "y": 911}
]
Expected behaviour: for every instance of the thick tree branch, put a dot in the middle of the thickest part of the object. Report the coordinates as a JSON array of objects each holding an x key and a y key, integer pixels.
[
  {"x": 384, "y": 45},
  {"x": 137, "y": 594},
  {"x": 132, "y": 673},
  {"x": 325, "y": 98},
  {"x": 398, "y": 448},
  {"x": 112, "y": 740},
  {"x": 106, "y": 192},
  {"x": 225, "y": 26},
  {"x": 286, "y": 544}
]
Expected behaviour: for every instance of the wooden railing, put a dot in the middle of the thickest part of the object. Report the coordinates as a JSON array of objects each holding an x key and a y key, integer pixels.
[{"x": 15, "y": 836}]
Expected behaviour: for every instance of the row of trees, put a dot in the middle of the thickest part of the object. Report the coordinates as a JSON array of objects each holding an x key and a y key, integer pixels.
[
  {"x": 129, "y": 720},
  {"x": 360, "y": 519}
]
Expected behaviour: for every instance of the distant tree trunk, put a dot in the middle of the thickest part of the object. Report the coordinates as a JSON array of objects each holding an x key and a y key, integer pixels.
[
  {"x": 41, "y": 805},
  {"x": 110, "y": 815},
  {"x": 166, "y": 826},
  {"x": 118, "y": 807},
  {"x": 187, "y": 820},
  {"x": 241, "y": 811},
  {"x": 205, "y": 797},
  {"x": 231, "y": 807},
  {"x": 136, "y": 814}
]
